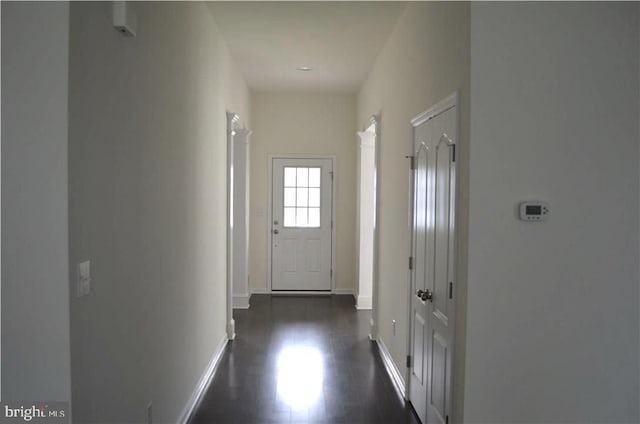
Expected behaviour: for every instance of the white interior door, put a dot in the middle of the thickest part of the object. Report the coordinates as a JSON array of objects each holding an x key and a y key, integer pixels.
[
  {"x": 432, "y": 302},
  {"x": 422, "y": 200},
  {"x": 301, "y": 224}
]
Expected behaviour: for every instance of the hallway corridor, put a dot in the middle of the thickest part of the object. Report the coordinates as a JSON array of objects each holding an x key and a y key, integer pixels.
[{"x": 302, "y": 360}]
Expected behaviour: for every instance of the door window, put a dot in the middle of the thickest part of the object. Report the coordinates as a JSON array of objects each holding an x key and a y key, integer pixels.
[{"x": 301, "y": 197}]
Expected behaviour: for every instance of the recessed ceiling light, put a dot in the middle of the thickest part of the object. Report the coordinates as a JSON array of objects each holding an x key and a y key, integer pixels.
[{"x": 304, "y": 68}]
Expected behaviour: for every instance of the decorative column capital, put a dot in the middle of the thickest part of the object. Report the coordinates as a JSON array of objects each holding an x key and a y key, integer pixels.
[
  {"x": 367, "y": 139},
  {"x": 241, "y": 135}
]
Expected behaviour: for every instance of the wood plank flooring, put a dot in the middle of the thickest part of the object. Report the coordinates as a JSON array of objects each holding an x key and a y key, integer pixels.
[{"x": 302, "y": 359}]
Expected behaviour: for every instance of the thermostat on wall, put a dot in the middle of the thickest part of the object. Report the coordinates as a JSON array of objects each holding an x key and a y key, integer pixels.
[{"x": 534, "y": 211}]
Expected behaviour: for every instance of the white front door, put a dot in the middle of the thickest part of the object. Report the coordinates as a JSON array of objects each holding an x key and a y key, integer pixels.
[
  {"x": 432, "y": 300},
  {"x": 301, "y": 224}
]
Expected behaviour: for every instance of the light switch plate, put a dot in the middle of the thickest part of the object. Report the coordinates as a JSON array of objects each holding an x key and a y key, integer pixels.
[{"x": 84, "y": 278}]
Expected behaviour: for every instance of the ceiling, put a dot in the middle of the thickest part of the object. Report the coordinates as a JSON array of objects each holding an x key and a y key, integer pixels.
[{"x": 338, "y": 40}]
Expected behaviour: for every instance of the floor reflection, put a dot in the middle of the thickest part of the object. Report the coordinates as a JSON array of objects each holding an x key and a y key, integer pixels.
[
  {"x": 302, "y": 360},
  {"x": 300, "y": 374}
]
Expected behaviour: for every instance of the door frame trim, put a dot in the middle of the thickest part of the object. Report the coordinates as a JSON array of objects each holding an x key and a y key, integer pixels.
[
  {"x": 232, "y": 121},
  {"x": 449, "y": 102},
  {"x": 334, "y": 163},
  {"x": 374, "y": 120}
]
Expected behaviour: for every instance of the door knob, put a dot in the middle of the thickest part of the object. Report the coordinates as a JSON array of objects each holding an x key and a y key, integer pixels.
[
  {"x": 275, "y": 231},
  {"x": 425, "y": 295}
]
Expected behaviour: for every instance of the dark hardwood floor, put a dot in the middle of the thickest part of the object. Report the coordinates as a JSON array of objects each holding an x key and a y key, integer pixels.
[{"x": 302, "y": 360}]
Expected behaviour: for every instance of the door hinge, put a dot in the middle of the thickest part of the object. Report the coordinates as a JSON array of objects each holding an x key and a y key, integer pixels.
[
  {"x": 409, "y": 361},
  {"x": 454, "y": 153},
  {"x": 412, "y": 162},
  {"x": 446, "y": 420},
  {"x": 450, "y": 290},
  {"x": 410, "y": 262},
  {"x": 331, "y": 273},
  {"x": 331, "y": 173}
]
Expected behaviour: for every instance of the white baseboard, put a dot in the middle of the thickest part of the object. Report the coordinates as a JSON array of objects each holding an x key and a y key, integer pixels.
[
  {"x": 203, "y": 383},
  {"x": 345, "y": 291},
  {"x": 364, "y": 302},
  {"x": 241, "y": 301},
  {"x": 231, "y": 329},
  {"x": 259, "y": 290},
  {"x": 262, "y": 290},
  {"x": 373, "y": 330},
  {"x": 392, "y": 369}
]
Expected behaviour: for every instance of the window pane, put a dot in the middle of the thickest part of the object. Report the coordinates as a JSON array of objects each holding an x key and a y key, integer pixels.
[
  {"x": 314, "y": 197},
  {"x": 303, "y": 177},
  {"x": 289, "y": 217},
  {"x": 303, "y": 197},
  {"x": 289, "y": 177},
  {"x": 314, "y": 217},
  {"x": 289, "y": 196},
  {"x": 301, "y": 217},
  {"x": 314, "y": 177}
]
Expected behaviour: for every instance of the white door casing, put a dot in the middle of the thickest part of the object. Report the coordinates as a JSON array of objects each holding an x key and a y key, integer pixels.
[
  {"x": 301, "y": 224},
  {"x": 433, "y": 256},
  {"x": 232, "y": 120},
  {"x": 367, "y": 211},
  {"x": 241, "y": 168}
]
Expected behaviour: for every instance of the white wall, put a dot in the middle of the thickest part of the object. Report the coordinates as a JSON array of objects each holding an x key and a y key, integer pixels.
[
  {"x": 425, "y": 59},
  {"x": 35, "y": 302},
  {"x": 303, "y": 123},
  {"x": 553, "y": 307},
  {"x": 147, "y": 205}
]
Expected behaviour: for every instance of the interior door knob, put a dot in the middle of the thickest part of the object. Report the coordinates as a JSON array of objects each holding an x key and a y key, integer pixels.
[
  {"x": 425, "y": 295},
  {"x": 275, "y": 231}
]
